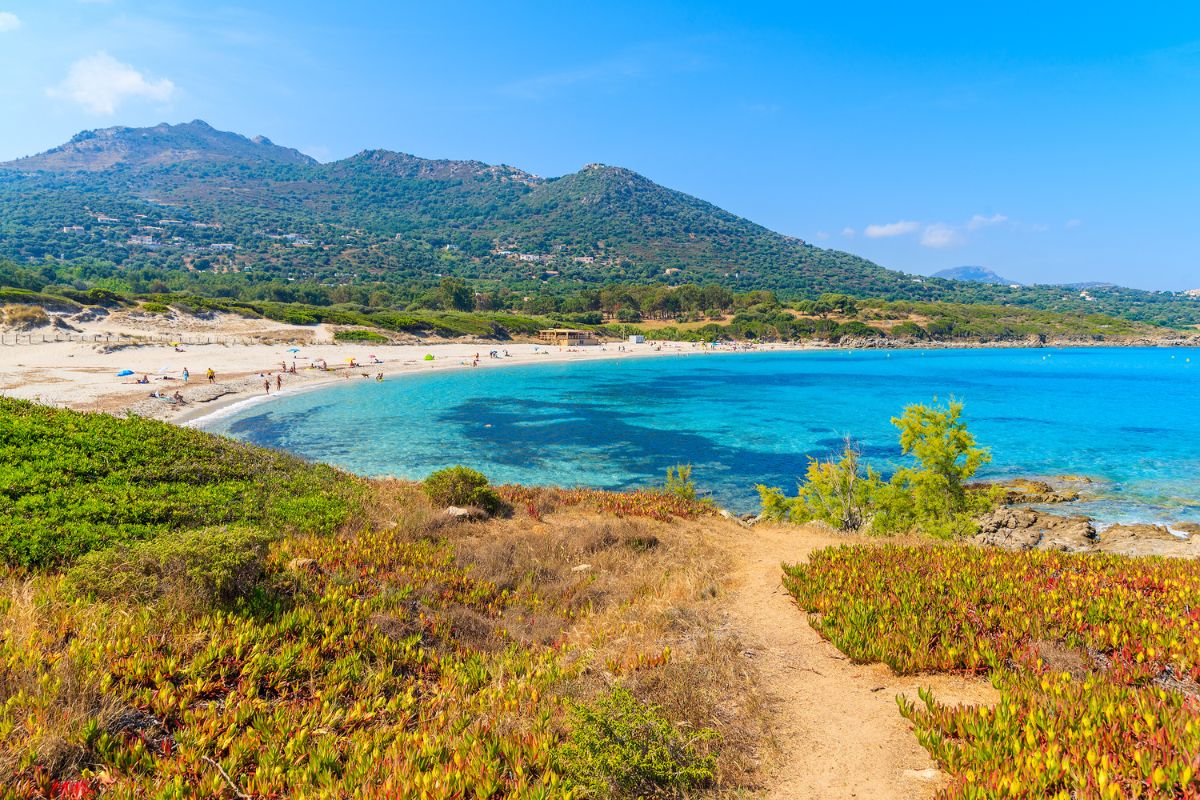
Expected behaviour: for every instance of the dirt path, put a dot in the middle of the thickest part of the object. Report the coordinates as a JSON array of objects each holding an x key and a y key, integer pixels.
[{"x": 836, "y": 725}]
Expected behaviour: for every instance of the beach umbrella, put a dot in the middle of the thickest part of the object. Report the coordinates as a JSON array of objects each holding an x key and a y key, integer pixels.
[
  {"x": 429, "y": 356},
  {"x": 293, "y": 349},
  {"x": 125, "y": 372}
]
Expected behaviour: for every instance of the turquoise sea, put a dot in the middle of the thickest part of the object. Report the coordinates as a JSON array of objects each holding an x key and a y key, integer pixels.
[{"x": 1127, "y": 418}]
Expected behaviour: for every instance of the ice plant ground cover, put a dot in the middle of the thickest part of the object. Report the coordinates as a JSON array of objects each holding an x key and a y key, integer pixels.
[
  {"x": 1096, "y": 658},
  {"x": 186, "y": 616}
]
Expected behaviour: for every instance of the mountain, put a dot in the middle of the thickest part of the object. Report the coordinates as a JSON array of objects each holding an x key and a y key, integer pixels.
[
  {"x": 191, "y": 197},
  {"x": 973, "y": 275},
  {"x": 161, "y": 145},
  {"x": 191, "y": 206}
]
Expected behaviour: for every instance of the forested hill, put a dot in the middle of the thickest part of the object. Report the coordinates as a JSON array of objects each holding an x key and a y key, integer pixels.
[
  {"x": 190, "y": 196},
  {"x": 136, "y": 207}
]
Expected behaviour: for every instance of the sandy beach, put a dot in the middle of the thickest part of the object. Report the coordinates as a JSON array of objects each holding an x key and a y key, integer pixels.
[
  {"x": 83, "y": 376},
  {"x": 246, "y": 353}
]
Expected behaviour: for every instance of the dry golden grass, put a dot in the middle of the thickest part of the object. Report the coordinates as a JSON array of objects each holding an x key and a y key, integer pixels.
[
  {"x": 23, "y": 317},
  {"x": 629, "y": 600},
  {"x": 66, "y": 701}
]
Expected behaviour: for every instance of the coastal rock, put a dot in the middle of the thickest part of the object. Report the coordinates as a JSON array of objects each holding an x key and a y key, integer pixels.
[
  {"x": 1190, "y": 528},
  {"x": 1147, "y": 540},
  {"x": 1021, "y": 490},
  {"x": 308, "y": 566},
  {"x": 464, "y": 514},
  {"x": 1026, "y": 529}
]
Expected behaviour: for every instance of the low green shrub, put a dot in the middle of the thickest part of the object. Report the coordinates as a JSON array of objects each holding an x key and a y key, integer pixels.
[
  {"x": 621, "y": 747},
  {"x": 837, "y": 493},
  {"x": 360, "y": 336},
  {"x": 151, "y": 307},
  {"x": 929, "y": 497},
  {"x": 207, "y": 565},
  {"x": 463, "y": 486},
  {"x": 680, "y": 483},
  {"x": 72, "y": 483}
]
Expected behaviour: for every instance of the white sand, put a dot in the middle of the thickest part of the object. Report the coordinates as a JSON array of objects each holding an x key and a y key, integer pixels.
[{"x": 83, "y": 376}]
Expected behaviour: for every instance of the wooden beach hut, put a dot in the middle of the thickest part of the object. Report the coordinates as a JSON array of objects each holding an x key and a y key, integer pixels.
[{"x": 568, "y": 337}]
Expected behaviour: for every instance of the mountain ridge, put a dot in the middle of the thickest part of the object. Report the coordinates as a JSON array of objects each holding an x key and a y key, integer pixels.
[
  {"x": 973, "y": 274},
  {"x": 600, "y": 223},
  {"x": 104, "y": 148},
  {"x": 188, "y": 202}
]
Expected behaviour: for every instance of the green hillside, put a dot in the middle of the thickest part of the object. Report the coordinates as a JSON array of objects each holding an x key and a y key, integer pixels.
[{"x": 189, "y": 200}]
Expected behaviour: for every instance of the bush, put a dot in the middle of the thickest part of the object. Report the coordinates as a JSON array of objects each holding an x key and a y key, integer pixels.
[
  {"x": 680, "y": 483},
  {"x": 948, "y": 456},
  {"x": 155, "y": 308},
  {"x": 930, "y": 497},
  {"x": 462, "y": 486},
  {"x": 360, "y": 336},
  {"x": 207, "y": 565},
  {"x": 24, "y": 317},
  {"x": 621, "y": 747},
  {"x": 837, "y": 493}
]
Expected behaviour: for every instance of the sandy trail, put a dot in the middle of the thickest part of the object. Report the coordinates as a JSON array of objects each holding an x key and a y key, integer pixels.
[{"x": 837, "y": 726}]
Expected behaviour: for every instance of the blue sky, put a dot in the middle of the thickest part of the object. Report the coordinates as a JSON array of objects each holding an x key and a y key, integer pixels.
[{"x": 1047, "y": 141}]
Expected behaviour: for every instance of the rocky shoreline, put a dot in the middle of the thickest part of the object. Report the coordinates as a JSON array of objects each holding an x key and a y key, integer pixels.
[{"x": 1016, "y": 526}]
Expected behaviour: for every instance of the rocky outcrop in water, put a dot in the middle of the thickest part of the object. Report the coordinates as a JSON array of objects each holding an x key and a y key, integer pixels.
[{"x": 1028, "y": 529}]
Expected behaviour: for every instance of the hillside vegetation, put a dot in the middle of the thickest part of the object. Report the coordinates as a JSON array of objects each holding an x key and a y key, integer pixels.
[
  {"x": 451, "y": 308},
  {"x": 184, "y": 616},
  {"x": 185, "y": 202},
  {"x": 1096, "y": 658}
]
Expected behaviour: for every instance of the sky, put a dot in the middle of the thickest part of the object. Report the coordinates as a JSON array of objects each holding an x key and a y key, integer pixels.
[{"x": 1048, "y": 141}]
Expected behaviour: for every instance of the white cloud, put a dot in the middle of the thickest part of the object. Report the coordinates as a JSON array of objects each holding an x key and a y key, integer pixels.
[
  {"x": 9, "y": 21},
  {"x": 940, "y": 235},
  {"x": 1073, "y": 223},
  {"x": 979, "y": 221},
  {"x": 891, "y": 229},
  {"x": 100, "y": 84},
  {"x": 848, "y": 232}
]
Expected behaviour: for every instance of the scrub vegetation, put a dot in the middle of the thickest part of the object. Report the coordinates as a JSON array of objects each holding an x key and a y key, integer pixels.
[
  {"x": 184, "y": 616},
  {"x": 930, "y": 496},
  {"x": 1096, "y": 659}
]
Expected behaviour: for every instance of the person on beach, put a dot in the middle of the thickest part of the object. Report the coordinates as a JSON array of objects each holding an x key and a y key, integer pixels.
[
  {"x": 278, "y": 383},
  {"x": 267, "y": 385},
  {"x": 379, "y": 377},
  {"x": 186, "y": 374},
  {"x": 212, "y": 376}
]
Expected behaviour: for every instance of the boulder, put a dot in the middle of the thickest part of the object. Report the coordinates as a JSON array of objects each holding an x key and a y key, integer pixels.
[
  {"x": 308, "y": 566},
  {"x": 1147, "y": 540},
  {"x": 1026, "y": 529},
  {"x": 1021, "y": 490},
  {"x": 467, "y": 514}
]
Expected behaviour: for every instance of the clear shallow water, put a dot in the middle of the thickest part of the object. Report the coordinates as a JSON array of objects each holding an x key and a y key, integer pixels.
[{"x": 1128, "y": 418}]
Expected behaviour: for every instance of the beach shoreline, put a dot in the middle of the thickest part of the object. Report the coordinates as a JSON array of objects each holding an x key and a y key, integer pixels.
[{"x": 83, "y": 375}]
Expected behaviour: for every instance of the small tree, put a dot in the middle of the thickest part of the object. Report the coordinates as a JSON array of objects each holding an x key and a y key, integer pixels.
[
  {"x": 948, "y": 456},
  {"x": 680, "y": 483},
  {"x": 839, "y": 493}
]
